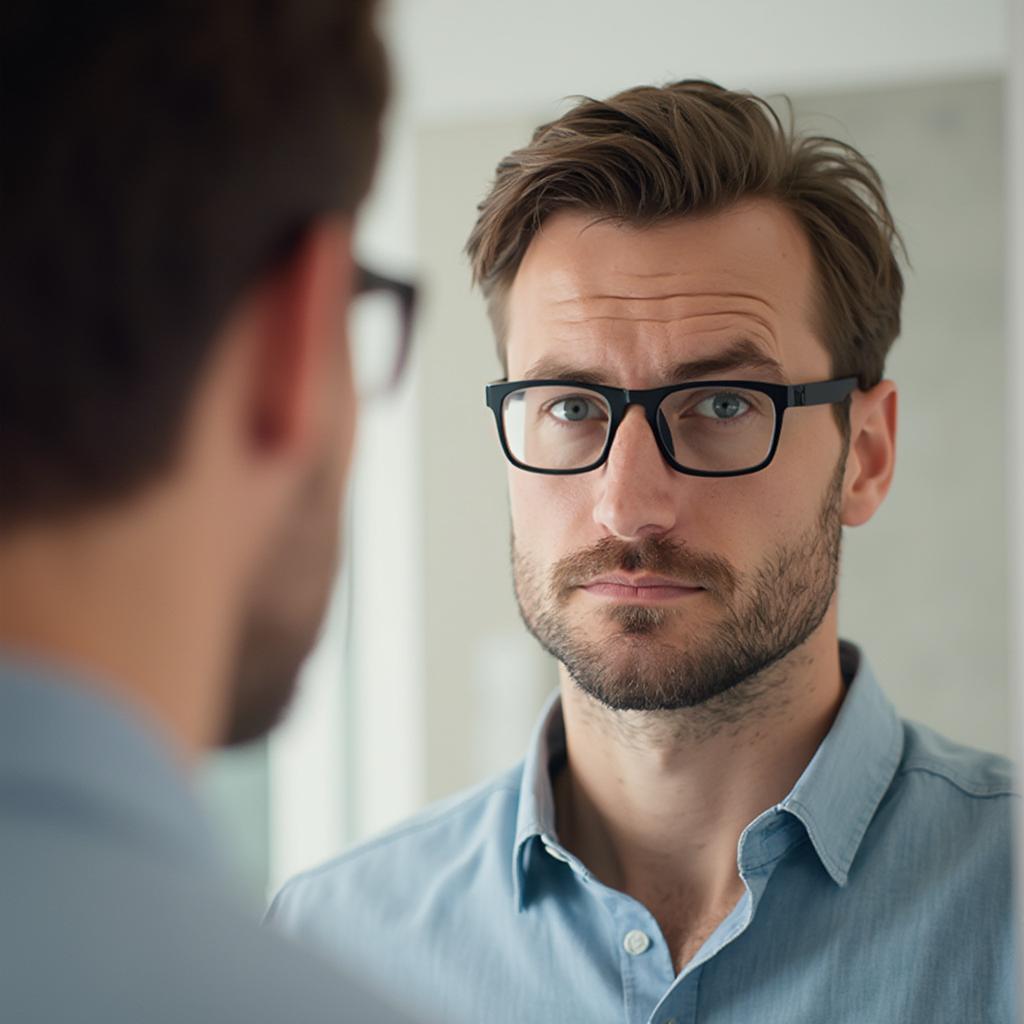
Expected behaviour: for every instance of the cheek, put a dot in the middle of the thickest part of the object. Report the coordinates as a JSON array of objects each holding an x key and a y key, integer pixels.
[
  {"x": 731, "y": 518},
  {"x": 550, "y": 515},
  {"x": 740, "y": 519},
  {"x": 750, "y": 517}
]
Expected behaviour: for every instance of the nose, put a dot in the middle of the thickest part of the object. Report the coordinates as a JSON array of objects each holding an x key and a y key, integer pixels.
[{"x": 637, "y": 491}]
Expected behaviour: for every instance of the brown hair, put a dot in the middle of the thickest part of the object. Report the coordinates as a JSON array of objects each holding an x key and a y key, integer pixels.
[
  {"x": 158, "y": 158},
  {"x": 651, "y": 154}
]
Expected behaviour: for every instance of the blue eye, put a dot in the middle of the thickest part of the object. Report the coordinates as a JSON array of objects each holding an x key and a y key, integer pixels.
[
  {"x": 575, "y": 408},
  {"x": 723, "y": 405}
]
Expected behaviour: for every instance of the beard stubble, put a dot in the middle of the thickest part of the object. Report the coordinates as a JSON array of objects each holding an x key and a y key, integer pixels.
[
  {"x": 633, "y": 666},
  {"x": 285, "y": 609}
]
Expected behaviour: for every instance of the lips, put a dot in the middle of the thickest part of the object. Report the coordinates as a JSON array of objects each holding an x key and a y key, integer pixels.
[
  {"x": 642, "y": 587},
  {"x": 622, "y": 579}
]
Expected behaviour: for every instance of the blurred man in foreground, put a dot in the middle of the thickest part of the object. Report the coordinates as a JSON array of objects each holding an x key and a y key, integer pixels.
[
  {"x": 721, "y": 817},
  {"x": 177, "y": 403}
]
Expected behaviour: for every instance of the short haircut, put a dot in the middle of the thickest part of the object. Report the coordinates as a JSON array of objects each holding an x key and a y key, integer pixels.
[
  {"x": 157, "y": 159},
  {"x": 649, "y": 155}
]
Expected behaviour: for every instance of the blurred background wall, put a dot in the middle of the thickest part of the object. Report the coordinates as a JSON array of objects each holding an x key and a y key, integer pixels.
[{"x": 425, "y": 681}]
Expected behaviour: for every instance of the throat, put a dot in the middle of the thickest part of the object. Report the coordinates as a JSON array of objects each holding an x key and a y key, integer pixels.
[
  {"x": 685, "y": 877},
  {"x": 685, "y": 931}
]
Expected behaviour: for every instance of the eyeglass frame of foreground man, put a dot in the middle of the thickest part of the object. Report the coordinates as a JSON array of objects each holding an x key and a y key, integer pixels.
[
  {"x": 782, "y": 396},
  {"x": 403, "y": 293}
]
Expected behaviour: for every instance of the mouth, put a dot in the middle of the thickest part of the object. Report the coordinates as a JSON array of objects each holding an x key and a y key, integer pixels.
[{"x": 640, "y": 589}]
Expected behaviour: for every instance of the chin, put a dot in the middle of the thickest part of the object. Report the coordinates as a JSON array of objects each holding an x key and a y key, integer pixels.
[
  {"x": 271, "y": 654},
  {"x": 260, "y": 703},
  {"x": 638, "y": 620}
]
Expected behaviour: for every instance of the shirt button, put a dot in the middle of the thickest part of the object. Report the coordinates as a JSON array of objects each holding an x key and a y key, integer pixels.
[
  {"x": 636, "y": 942},
  {"x": 552, "y": 852}
]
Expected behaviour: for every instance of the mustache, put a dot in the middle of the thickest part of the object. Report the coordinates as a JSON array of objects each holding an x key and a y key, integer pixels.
[{"x": 656, "y": 555}]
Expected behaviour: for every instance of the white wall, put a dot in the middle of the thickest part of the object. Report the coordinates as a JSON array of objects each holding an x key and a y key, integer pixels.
[
  {"x": 478, "y": 58},
  {"x": 923, "y": 584}
]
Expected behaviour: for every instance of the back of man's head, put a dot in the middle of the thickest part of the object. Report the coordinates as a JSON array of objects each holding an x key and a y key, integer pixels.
[
  {"x": 157, "y": 158},
  {"x": 179, "y": 180}
]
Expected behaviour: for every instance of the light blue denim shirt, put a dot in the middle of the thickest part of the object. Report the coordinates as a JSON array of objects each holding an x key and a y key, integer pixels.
[
  {"x": 877, "y": 891},
  {"x": 115, "y": 906}
]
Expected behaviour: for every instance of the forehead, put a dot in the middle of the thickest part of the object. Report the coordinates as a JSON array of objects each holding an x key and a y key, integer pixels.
[{"x": 637, "y": 300}]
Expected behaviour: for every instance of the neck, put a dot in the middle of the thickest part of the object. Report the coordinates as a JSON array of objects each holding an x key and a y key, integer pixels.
[
  {"x": 654, "y": 802},
  {"x": 114, "y": 602}
]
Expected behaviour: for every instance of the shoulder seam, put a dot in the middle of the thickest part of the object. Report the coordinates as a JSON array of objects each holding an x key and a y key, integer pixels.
[{"x": 941, "y": 771}]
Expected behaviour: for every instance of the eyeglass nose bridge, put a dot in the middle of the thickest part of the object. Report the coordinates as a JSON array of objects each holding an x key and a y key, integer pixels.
[{"x": 650, "y": 402}]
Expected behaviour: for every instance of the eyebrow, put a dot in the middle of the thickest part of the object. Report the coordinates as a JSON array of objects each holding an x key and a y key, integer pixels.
[{"x": 740, "y": 355}]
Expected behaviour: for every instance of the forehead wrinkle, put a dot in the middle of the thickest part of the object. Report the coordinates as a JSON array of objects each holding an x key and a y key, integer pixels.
[
  {"x": 666, "y": 297},
  {"x": 674, "y": 305},
  {"x": 742, "y": 355},
  {"x": 689, "y": 318}
]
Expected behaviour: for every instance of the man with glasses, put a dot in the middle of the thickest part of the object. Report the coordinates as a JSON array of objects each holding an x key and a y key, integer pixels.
[
  {"x": 720, "y": 817},
  {"x": 177, "y": 401}
]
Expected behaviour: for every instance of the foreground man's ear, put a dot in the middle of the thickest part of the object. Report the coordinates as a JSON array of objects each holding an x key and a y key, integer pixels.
[
  {"x": 872, "y": 456},
  {"x": 300, "y": 308}
]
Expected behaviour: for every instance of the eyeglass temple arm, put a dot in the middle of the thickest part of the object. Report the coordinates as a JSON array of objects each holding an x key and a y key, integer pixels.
[
  {"x": 825, "y": 393},
  {"x": 370, "y": 281}
]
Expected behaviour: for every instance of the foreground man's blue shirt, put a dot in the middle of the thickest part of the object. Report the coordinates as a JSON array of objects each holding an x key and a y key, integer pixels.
[
  {"x": 115, "y": 907},
  {"x": 877, "y": 891}
]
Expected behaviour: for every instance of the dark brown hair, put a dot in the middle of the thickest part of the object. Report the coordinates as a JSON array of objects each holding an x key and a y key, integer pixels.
[
  {"x": 158, "y": 157},
  {"x": 651, "y": 154}
]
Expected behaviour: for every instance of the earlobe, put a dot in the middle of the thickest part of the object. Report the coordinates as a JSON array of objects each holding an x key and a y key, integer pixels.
[{"x": 872, "y": 455}]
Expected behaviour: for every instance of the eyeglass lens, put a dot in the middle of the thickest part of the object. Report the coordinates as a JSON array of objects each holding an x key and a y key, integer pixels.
[
  {"x": 376, "y": 329},
  {"x": 717, "y": 429}
]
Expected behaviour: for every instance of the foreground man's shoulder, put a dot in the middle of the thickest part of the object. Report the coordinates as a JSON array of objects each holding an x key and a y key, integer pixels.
[{"x": 103, "y": 927}]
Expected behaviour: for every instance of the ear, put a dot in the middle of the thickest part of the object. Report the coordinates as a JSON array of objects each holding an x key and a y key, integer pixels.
[
  {"x": 872, "y": 456},
  {"x": 299, "y": 309}
]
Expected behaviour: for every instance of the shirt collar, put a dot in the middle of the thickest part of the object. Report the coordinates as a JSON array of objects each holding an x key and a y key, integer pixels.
[
  {"x": 834, "y": 799},
  {"x": 61, "y": 741},
  {"x": 840, "y": 789},
  {"x": 536, "y": 815}
]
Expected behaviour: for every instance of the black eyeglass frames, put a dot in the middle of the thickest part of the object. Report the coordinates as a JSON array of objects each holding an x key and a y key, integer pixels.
[
  {"x": 712, "y": 428},
  {"x": 381, "y": 330}
]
